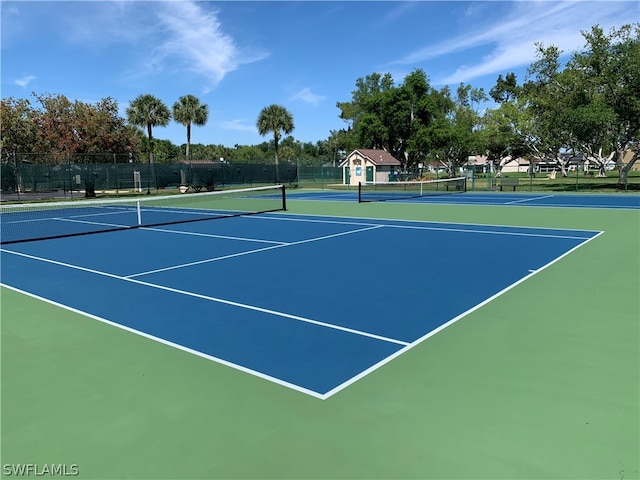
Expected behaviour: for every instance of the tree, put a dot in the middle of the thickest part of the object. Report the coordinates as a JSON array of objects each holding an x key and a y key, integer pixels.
[
  {"x": 248, "y": 154},
  {"x": 100, "y": 129},
  {"x": 147, "y": 111},
  {"x": 499, "y": 137},
  {"x": 61, "y": 128},
  {"x": 607, "y": 71},
  {"x": 363, "y": 99},
  {"x": 278, "y": 120},
  {"x": 364, "y": 112},
  {"x": 56, "y": 127},
  {"x": 458, "y": 135},
  {"x": 74, "y": 130},
  {"x": 188, "y": 110},
  {"x": 548, "y": 132},
  {"x": 592, "y": 106},
  {"x": 500, "y": 128},
  {"x": 18, "y": 127},
  {"x": 164, "y": 151},
  {"x": 591, "y": 121},
  {"x": 505, "y": 90},
  {"x": 288, "y": 153}
]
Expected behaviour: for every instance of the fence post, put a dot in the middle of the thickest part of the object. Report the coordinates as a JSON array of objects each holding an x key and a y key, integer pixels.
[
  {"x": 70, "y": 175},
  {"x": 18, "y": 175},
  {"x": 115, "y": 171},
  {"x": 626, "y": 178},
  {"x": 149, "y": 174}
]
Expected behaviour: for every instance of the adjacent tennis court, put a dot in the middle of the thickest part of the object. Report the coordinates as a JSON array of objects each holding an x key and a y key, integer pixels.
[
  {"x": 337, "y": 303},
  {"x": 414, "y": 195}
]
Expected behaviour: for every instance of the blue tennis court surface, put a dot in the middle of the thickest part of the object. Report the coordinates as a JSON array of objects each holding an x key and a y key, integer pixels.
[
  {"x": 308, "y": 302},
  {"x": 621, "y": 201}
]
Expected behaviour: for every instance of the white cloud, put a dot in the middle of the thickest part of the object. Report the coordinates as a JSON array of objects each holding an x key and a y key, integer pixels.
[
  {"x": 512, "y": 38},
  {"x": 399, "y": 9},
  {"x": 193, "y": 38},
  {"x": 517, "y": 55},
  {"x": 25, "y": 80},
  {"x": 307, "y": 96},
  {"x": 238, "y": 125},
  {"x": 172, "y": 36},
  {"x": 100, "y": 24}
]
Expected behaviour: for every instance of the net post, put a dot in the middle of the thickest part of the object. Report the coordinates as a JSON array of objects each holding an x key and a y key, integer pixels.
[
  {"x": 359, "y": 192},
  {"x": 284, "y": 199},
  {"x": 138, "y": 212}
]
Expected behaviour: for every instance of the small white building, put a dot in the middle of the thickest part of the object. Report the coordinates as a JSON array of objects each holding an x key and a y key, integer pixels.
[{"x": 369, "y": 165}]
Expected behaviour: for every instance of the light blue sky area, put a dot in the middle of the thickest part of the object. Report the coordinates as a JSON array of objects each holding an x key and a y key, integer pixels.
[{"x": 239, "y": 57}]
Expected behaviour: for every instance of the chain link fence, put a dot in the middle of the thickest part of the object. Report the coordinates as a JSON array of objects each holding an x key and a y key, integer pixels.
[
  {"x": 47, "y": 176},
  {"x": 576, "y": 180}
]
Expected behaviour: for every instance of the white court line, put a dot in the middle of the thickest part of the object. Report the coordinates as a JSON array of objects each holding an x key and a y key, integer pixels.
[
  {"x": 250, "y": 252},
  {"x": 201, "y": 262},
  {"x": 440, "y": 200},
  {"x": 489, "y": 232},
  {"x": 314, "y": 220},
  {"x": 278, "y": 217},
  {"x": 211, "y": 299},
  {"x": 211, "y": 235},
  {"x": 30, "y": 220},
  {"x": 528, "y": 199},
  {"x": 504, "y": 205},
  {"x": 311, "y": 196},
  {"x": 373, "y": 368},
  {"x": 72, "y": 220},
  {"x": 171, "y": 344},
  {"x": 445, "y": 229}
]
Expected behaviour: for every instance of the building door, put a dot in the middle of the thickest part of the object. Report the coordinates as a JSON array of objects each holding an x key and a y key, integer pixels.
[
  {"x": 369, "y": 174},
  {"x": 347, "y": 175}
]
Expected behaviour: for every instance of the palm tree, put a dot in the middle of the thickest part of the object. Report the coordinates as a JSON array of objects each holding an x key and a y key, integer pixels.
[
  {"x": 188, "y": 110},
  {"x": 276, "y": 119},
  {"x": 148, "y": 111}
]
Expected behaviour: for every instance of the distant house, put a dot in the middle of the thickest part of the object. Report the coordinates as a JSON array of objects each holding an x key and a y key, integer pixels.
[
  {"x": 517, "y": 165},
  {"x": 369, "y": 165},
  {"x": 479, "y": 164}
]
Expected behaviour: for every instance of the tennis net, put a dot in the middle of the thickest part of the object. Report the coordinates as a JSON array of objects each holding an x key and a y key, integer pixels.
[
  {"x": 41, "y": 221},
  {"x": 383, "y": 191}
]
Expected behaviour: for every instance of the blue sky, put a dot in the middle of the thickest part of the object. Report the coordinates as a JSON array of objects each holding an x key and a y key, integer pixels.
[{"x": 239, "y": 57}]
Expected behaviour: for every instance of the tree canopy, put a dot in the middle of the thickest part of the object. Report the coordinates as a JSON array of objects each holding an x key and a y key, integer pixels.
[
  {"x": 148, "y": 111},
  {"x": 275, "y": 119},
  {"x": 61, "y": 127},
  {"x": 188, "y": 110}
]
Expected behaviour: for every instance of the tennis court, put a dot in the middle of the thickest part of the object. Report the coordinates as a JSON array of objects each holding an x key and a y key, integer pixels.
[
  {"x": 240, "y": 322},
  {"x": 533, "y": 199}
]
